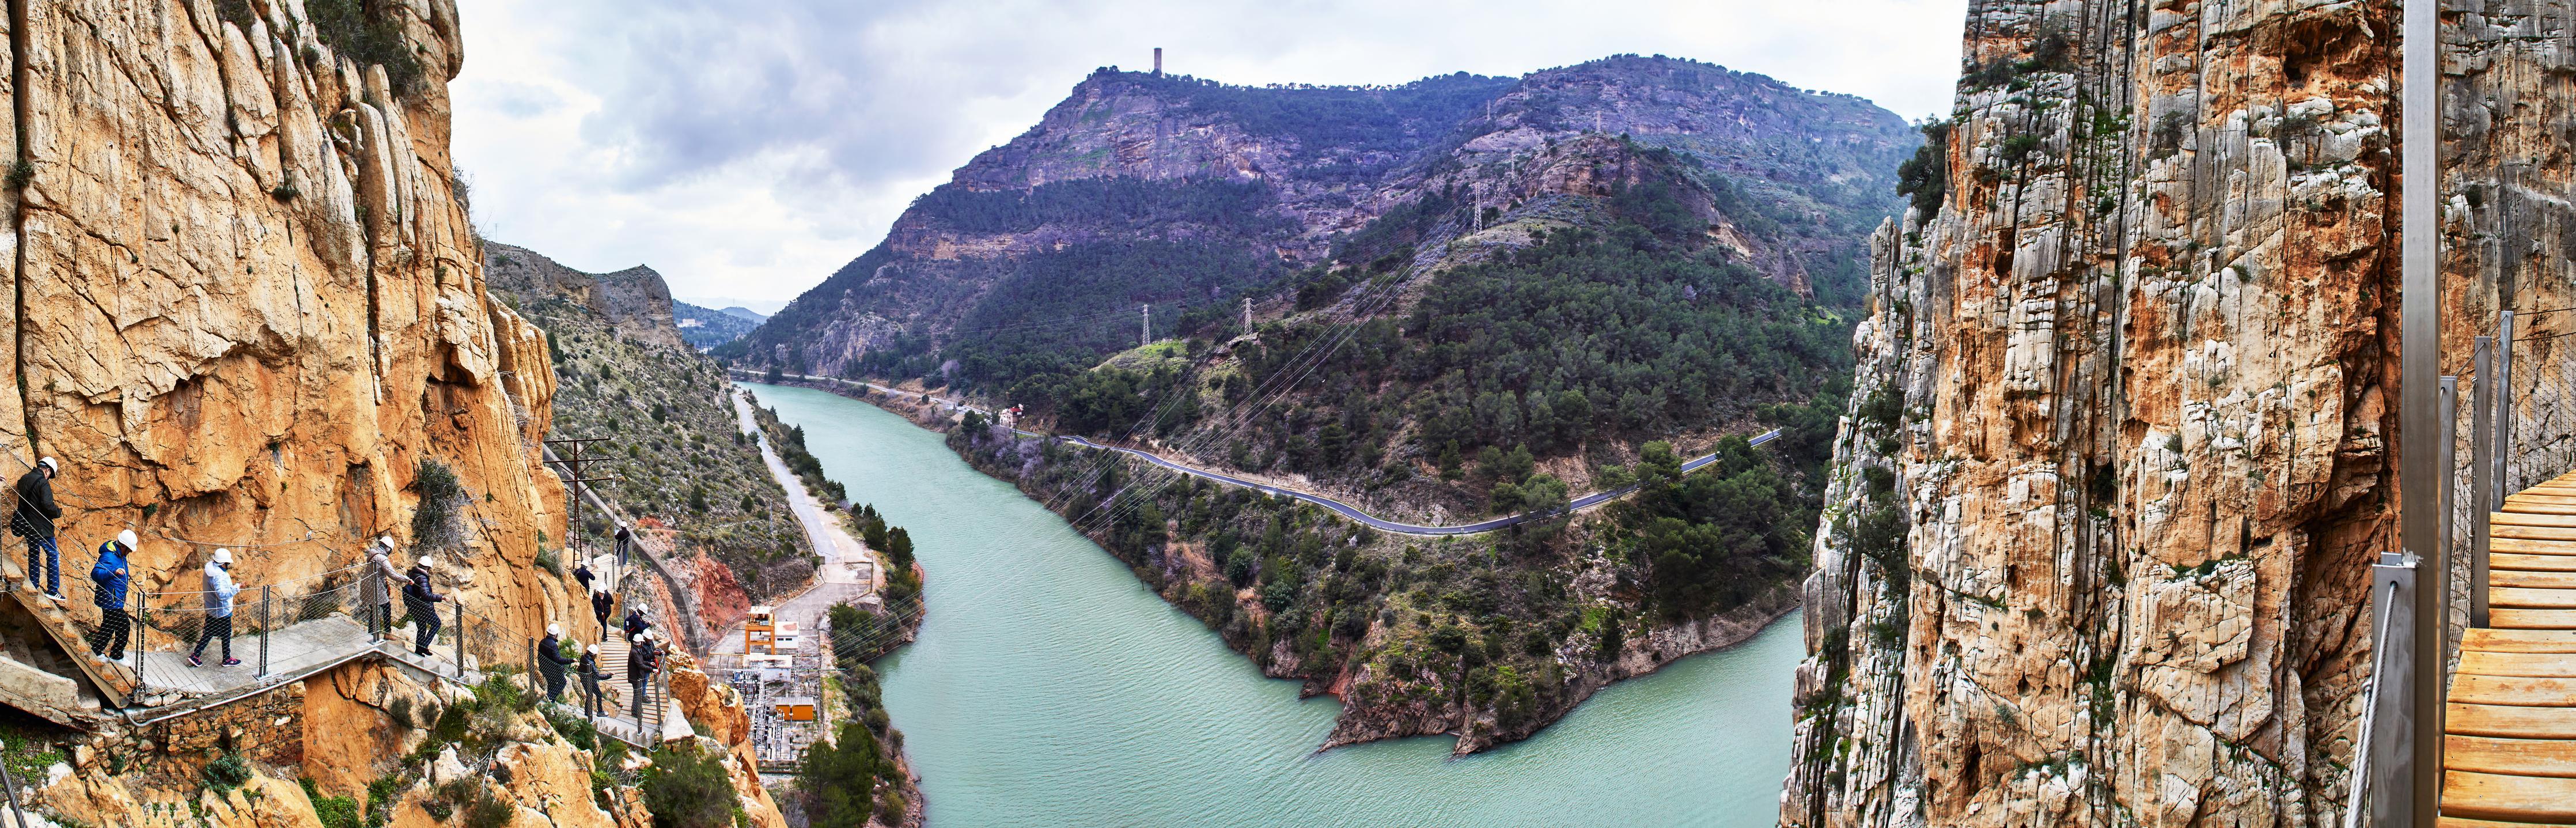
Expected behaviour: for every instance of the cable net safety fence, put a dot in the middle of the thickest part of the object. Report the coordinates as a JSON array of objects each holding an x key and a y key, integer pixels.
[{"x": 191, "y": 643}]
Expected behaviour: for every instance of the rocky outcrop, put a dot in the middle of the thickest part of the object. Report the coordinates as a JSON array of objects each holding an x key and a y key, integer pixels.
[
  {"x": 635, "y": 301},
  {"x": 2121, "y": 447}
]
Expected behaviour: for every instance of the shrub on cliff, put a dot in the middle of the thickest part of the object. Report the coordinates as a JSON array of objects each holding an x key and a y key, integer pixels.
[{"x": 687, "y": 788}]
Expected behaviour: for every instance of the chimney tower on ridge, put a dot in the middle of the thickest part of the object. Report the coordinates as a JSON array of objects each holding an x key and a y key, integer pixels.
[{"x": 1158, "y": 61}]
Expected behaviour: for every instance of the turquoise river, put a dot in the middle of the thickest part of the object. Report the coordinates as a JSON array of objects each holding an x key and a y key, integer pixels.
[{"x": 1050, "y": 688}]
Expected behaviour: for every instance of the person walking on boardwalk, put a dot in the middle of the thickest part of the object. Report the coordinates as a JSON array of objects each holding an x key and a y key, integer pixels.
[
  {"x": 220, "y": 590},
  {"x": 581, "y": 572},
  {"x": 604, "y": 606},
  {"x": 34, "y": 521},
  {"x": 376, "y": 587},
  {"x": 590, "y": 677},
  {"x": 640, "y": 661},
  {"x": 421, "y": 602},
  {"x": 625, "y": 543},
  {"x": 551, "y": 661},
  {"x": 636, "y": 625},
  {"x": 107, "y": 643}
]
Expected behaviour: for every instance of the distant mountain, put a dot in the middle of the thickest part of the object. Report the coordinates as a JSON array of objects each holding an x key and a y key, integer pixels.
[
  {"x": 704, "y": 328},
  {"x": 1192, "y": 195},
  {"x": 755, "y": 317}
]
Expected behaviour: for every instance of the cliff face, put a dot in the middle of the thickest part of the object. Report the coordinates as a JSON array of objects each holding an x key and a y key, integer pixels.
[
  {"x": 2120, "y": 450},
  {"x": 248, "y": 300},
  {"x": 247, "y": 303},
  {"x": 1226, "y": 188}
]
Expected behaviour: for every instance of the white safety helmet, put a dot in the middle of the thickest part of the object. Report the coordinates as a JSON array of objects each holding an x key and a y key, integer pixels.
[
  {"x": 224, "y": 557},
  {"x": 554, "y": 629},
  {"x": 127, "y": 538},
  {"x": 384, "y": 543},
  {"x": 429, "y": 561},
  {"x": 51, "y": 467},
  {"x": 592, "y": 649}
]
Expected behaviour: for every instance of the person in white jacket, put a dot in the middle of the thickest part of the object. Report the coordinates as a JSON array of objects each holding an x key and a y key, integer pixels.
[{"x": 219, "y": 609}]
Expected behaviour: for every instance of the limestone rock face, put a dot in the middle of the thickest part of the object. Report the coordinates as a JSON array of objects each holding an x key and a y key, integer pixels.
[
  {"x": 2122, "y": 442},
  {"x": 248, "y": 299}
]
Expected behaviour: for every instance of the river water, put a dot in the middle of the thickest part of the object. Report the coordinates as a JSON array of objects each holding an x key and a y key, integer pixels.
[{"x": 1050, "y": 688}]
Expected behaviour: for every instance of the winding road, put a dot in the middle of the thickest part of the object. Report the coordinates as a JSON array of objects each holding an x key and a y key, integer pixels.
[{"x": 1338, "y": 507}]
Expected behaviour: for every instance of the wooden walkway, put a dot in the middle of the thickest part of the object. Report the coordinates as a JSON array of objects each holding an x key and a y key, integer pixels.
[{"x": 2509, "y": 751}]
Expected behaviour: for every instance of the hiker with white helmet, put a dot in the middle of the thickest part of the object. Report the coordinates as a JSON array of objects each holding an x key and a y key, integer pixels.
[
  {"x": 34, "y": 521},
  {"x": 421, "y": 601},
  {"x": 640, "y": 661},
  {"x": 590, "y": 676},
  {"x": 107, "y": 643},
  {"x": 603, "y": 605},
  {"x": 220, "y": 590},
  {"x": 551, "y": 661},
  {"x": 375, "y": 588}
]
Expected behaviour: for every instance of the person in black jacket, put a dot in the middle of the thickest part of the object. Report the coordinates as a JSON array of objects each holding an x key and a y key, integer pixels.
[
  {"x": 590, "y": 677},
  {"x": 551, "y": 661},
  {"x": 581, "y": 572},
  {"x": 34, "y": 521},
  {"x": 604, "y": 606},
  {"x": 625, "y": 543},
  {"x": 635, "y": 623},
  {"x": 422, "y": 603},
  {"x": 640, "y": 661}
]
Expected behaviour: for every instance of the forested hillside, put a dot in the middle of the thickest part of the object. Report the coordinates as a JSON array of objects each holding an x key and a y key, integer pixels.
[
  {"x": 674, "y": 447},
  {"x": 705, "y": 328},
  {"x": 1467, "y": 297}
]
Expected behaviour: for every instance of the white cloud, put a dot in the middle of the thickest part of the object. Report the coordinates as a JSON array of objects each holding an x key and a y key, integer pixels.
[{"x": 749, "y": 149}]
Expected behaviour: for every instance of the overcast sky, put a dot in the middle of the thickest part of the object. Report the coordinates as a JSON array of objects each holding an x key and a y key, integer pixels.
[{"x": 748, "y": 149}]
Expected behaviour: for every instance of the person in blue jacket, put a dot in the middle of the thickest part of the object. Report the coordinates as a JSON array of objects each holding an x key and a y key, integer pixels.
[{"x": 107, "y": 643}]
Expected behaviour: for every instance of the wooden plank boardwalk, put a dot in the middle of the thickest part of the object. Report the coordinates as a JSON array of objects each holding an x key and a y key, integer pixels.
[{"x": 2509, "y": 747}]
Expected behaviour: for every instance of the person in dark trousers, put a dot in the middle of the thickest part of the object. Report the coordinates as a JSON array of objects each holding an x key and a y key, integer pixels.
[
  {"x": 604, "y": 606},
  {"x": 591, "y": 675},
  {"x": 581, "y": 572},
  {"x": 220, "y": 590},
  {"x": 551, "y": 661},
  {"x": 625, "y": 543},
  {"x": 107, "y": 643},
  {"x": 636, "y": 626},
  {"x": 376, "y": 588},
  {"x": 34, "y": 521},
  {"x": 422, "y": 603},
  {"x": 641, "y": 661}
]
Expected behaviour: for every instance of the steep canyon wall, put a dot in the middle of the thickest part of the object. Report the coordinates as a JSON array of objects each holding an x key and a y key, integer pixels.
[{"x": 2122, "y": 443}]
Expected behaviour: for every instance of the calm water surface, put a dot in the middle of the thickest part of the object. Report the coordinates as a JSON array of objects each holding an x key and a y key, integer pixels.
[{"x": 1049, "y": 688}]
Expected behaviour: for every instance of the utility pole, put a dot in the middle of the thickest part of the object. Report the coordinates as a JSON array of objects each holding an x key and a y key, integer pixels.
[
  {"x": 1146, "y": 337},
  {"x": 2418, "y": 427},
  {"x": 1247, "y": 316},
  {"x": 572, "y": 465}
]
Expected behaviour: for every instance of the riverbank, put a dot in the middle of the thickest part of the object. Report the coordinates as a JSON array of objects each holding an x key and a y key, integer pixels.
[{"x": 1414, "y": 637}]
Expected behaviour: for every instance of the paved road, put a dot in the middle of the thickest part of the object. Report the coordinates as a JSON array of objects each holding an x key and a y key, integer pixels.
[
  {"x": 1344, "y": 509},
  {"x": 1348, "y": 511},
  {"x": 848, "y": 574}
]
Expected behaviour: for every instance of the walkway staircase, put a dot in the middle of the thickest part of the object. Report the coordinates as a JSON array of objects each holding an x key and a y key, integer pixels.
[{"x": 2509, "y": 750}]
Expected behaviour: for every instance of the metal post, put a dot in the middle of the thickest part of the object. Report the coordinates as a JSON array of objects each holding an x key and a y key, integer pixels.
[
  {"x": 2482, "y": 499},
  {"x": 10, "y": 783},
  {"x": 2391, "y": 748},
  {"x": 460, "y": 641},
  {"x": 2504, "y": 407},
  {"x": 2419, "y": 330},
  {"x": 134, "y": 630},
  {"x": 535, "y": 681},
  {"x": 267, "y": 621}
]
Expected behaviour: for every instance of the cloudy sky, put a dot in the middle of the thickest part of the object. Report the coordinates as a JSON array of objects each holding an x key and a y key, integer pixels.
[{"x": 747, "y": 149}]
